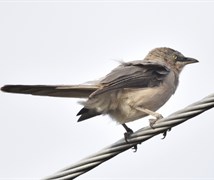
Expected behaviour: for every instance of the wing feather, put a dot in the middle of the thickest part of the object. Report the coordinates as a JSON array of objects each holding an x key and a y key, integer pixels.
[{"x": 136, "y": 74}]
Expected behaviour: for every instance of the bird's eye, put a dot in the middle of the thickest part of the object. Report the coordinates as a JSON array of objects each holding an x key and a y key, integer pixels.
[{"x": 175, "y": 57}]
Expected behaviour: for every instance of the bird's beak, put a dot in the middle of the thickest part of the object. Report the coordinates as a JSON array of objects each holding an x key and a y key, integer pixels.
[{"x": 189, "y": 60}]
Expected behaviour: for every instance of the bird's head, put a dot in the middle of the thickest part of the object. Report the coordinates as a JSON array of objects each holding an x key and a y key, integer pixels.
[{"x": 170, "y": 57}]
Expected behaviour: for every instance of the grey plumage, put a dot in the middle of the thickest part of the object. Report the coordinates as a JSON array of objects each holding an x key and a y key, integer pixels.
[
  {"x": 77, "y": 91},
  {"x": 131, "y": 91}
]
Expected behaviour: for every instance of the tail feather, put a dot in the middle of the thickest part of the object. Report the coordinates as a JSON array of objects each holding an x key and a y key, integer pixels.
[
  {"x": 87, "y": 114},
  {"x": 75, "y": 91}
]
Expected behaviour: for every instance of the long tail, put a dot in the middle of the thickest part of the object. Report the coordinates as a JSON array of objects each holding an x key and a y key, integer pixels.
[{"x": 75, "y": 91}]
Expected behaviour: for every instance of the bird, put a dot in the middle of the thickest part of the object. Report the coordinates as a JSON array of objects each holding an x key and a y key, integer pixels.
[{"x": 131, "y": 91}]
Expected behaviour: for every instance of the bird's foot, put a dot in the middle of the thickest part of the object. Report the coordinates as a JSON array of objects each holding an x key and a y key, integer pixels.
[
  {"x": 127, "y": 135},
  {"x": 165, "y": 133},
  {"x": 153, "y": 121}
]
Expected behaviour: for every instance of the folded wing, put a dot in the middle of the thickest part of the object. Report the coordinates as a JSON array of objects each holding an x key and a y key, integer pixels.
[{"x": 135, "y": 74}]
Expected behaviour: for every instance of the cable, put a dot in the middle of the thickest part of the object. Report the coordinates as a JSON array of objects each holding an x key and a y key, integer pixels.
[{"x": 137, "y": 137}]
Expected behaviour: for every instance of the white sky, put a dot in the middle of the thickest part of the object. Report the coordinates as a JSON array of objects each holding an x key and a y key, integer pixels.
[{"x": 73, "y": 42}]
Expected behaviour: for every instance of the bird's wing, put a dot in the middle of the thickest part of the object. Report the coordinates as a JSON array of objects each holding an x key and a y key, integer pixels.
[
  {"x": 75, "y": 91},
  {"x": 135, "y": 74}
]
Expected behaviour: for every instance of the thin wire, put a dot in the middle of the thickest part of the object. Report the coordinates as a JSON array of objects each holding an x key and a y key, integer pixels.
[{"x": 138, "y": 137}]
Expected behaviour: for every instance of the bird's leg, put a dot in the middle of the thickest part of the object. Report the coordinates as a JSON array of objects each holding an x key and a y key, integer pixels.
[
  {"x": 152, "y": 113},
  {"x": 128, "y": 132}
]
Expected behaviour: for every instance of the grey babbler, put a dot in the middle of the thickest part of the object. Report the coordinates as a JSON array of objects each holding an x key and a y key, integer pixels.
[{"x": 130, "y": 91}]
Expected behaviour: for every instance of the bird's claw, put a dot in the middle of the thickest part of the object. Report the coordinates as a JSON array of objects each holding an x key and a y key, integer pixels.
[
  {"x": 153, "y": 121},
  {"x": 135, "y": 148},
  {"x": 126, "y": 136},
  {"x": 165, "y": 133}
]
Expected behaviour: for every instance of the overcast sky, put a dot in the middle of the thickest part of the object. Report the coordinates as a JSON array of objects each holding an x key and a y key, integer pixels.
[{"x": 74, "y": 42}]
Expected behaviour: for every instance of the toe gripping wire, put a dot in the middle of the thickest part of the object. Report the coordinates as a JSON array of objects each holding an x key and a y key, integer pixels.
[{"x": 136, "y": 138}]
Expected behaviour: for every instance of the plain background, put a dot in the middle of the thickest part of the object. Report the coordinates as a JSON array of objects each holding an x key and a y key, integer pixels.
[{"x": 53, "y": 42}]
